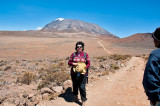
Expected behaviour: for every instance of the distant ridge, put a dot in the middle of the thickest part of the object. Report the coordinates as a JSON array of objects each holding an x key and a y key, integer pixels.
[
  {"x": 71, "y": 25},
  {"x": 139, "y": 37}
]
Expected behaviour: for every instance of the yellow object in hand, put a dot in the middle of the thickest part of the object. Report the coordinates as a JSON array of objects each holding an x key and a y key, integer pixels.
[{"x": 80, "y": 68}]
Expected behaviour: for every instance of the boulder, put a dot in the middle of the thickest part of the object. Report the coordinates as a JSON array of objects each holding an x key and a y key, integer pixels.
[
  {"x": 57, "y": 89},
  {"x": 67, "y": 84}
]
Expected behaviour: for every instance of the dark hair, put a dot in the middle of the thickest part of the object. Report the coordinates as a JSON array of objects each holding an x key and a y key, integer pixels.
[
  {"x": 79, "y": 43},
  {"x": 156, "y": 34}
]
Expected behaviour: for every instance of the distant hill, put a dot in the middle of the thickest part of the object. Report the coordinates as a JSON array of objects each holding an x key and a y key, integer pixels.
[
  {"x": 71, "y": 25},
  {"x": 139, "y": 37},
  {"x": 140, "y": 42}
]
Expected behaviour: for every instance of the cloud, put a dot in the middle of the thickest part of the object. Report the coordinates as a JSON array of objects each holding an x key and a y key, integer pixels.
[{"x": 39, "y": 28}]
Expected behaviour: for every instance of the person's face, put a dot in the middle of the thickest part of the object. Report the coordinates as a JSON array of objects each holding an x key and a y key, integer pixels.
[{"x": 79, "y": 48}]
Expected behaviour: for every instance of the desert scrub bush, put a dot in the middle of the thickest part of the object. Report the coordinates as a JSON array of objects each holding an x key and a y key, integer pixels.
[
  {"x": 26, "y": 78},
  {"x": 144, "y": 56},
  {"x": 56, "y": 77},
  {"x": 55, "y": 73},
  {"x": 43, "y": 84},
  {"x": 114, "y": 66},
  {"x": 101, "y": 57},
  {"x": 62, "y": 66},
  {"x": 106, "y": 72},
  {"x": 120, "y": 57}
]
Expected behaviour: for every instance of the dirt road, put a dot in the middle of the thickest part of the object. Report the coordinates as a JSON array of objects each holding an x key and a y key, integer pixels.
[{"x": 123, "y": 88}]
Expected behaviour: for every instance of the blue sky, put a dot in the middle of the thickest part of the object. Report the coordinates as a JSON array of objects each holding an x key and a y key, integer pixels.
[{"x": 120, "y": 17}]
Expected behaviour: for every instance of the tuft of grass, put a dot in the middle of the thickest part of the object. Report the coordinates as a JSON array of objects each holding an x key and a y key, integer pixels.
[
  {"x": 106, "y": 72},
  {"x": 43, "y": 84},
  {"x": 101, "y": 57},
  {"x": 27, "y": 78},
  {"x": 144, "y": 56},
  {"x": 114, "y": 67}
]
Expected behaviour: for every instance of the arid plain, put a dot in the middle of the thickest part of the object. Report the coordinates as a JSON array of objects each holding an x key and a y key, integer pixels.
[
  {"x": 36, "y": 44},
  {"x": 36, "y": 52}
]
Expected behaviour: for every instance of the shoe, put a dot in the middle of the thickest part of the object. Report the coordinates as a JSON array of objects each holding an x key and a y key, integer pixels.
[
  {"x": 83, "y": 103},
  {"x": 76, "y": 98}
]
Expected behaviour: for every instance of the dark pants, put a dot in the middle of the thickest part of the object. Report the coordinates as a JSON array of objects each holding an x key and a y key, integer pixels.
[{"x": 79, "y": 83}]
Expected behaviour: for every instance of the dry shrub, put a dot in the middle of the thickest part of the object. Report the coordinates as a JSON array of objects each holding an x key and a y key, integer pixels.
[
  {"x": 144, "y": 56},
  {"x": 61, "y": 63},
  {"x": 113, "y": 66},
  {"x": 113, "y": 71},
  {"x": 106, "y": 72},
  {"x": 101, "y": 57},
  {"x": 55, "y": 73},
  {"x": 120, "y": 57},
  {"x": 59, "y": 77},
  {"x": 43, "y": 84},
  {"x": 27, "y": 78}
]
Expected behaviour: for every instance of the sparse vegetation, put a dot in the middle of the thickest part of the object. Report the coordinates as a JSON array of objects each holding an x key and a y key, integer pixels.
[
  {"x": 144, "y": 56},
  {"x": 101, "y": 57},
  {"x": 55, "y": 73},
  {"x": 43, "y": 84},
  {"x": 27, "y": 78},
  {"x": 106, "y": 72},
  {"x": 114, "y": 66},
  {"x": 120, "y": 57}
]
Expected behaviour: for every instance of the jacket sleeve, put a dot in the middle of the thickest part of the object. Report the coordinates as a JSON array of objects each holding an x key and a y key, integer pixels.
[
  {"x": 70, "y": 61},
  {"x": 87, "y": 61},
  {"x": 151, "y": 78}
]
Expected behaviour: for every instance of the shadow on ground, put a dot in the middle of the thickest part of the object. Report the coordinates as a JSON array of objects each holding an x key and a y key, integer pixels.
[{"x": 68, "y": 96}]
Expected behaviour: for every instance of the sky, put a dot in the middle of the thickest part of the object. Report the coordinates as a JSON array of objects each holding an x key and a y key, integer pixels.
[{"x": 122, "y": 18}]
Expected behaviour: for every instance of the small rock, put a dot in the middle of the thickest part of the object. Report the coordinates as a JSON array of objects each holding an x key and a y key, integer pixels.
[
  {"x": 7, "y": 68},
  {"x": 57, "y": 89},
  {"x": 45, "y": 96},
  {"x": 46, "y": 90},
  {"x": 67, "y": 84},
  {"x": 30, "y": 95}
]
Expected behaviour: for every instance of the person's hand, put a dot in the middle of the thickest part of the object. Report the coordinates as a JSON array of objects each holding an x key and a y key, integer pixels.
[{"x": 75, "y": 64}]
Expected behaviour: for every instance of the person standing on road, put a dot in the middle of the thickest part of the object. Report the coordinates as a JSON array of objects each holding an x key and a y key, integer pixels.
[
  {"x": 79, "y": 76},
  {"x": 151, "y": 78}
]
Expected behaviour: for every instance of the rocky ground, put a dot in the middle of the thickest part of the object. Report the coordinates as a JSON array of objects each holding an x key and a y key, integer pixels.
[
  {"x": 122, "y": 88},
  {"x": 30, "y": 82},
  {"x": 34, "y": 69}
]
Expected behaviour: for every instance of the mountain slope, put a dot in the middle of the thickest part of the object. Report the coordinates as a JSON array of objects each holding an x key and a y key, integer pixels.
[
  {"x": 139, "y": 37},
  {"x": 70, "y": 25}
]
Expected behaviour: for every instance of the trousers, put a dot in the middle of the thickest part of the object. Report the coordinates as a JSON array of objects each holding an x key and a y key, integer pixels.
[{"x": 79, "y": 83}]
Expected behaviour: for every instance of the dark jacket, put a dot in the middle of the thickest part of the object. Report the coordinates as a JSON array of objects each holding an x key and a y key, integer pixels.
[{"x": 151, "y": 78}]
